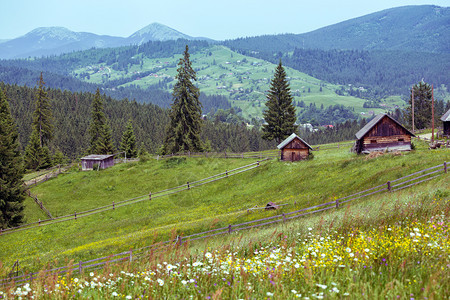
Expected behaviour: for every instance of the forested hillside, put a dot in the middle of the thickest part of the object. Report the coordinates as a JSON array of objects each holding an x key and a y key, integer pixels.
[{"x": 72, "y": 115}]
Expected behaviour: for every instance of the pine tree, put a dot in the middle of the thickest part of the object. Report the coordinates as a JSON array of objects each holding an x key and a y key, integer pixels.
[
  {"x": 128, "y": 142},
  {"x": 11, "y": 169},
  {"x": 422, "y": 105},
  {"x": 42, "y": 115},
  {"x": 183, "y": 133},
  {"x": 280, "y": 112},
  {"x": 99, "y": 129}
]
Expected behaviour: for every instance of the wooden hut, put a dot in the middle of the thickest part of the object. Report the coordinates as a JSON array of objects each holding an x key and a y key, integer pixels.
[
  {"x": 446, "y": 123},
  {"x": 381, "y": 134},
  {"x": 294, "y": 148},
  {"x": 99, "y": 161}
]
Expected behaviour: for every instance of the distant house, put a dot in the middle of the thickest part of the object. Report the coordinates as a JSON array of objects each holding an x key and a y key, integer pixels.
[
  {"x": 97, "y": 161},
  {"x": 294, "y": 148},
  {"x": 381, "y": 134},
  {"x": 446, "y": 123}
]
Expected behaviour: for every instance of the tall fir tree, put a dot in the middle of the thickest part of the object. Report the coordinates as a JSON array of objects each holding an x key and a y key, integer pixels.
[
  {"x": 422, "y": 105},
  {"x": 42, "y": 115},
  {"x": 280, "y": 111},
  {"x": 37, "y": 154},
  {"x": 183, "y": 133},
  {"x": 11, "y": 169},
  {"x": 128, "y": 142},
  {"x": 99, "y": 130}
]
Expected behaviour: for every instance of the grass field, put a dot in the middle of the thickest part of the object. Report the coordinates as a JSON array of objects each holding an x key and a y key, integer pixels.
[
  {"x": 332, "y": 173},
  {"x": 392, "y": 245},
  {"x": 244, "y": 80}
]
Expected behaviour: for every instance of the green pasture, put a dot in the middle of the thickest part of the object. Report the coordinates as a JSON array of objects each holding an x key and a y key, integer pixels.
[
  {"x": 244, "y": 80},
  {"x": 331, "y": 174}
]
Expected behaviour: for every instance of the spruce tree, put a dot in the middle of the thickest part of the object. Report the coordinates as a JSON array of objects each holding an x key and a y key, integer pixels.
[
  {"x": 280, "y": 111},
  {"x": 183, "y": 133},
  {"x": 36, "y": 157},
  {"x": 37, "y": 153},
  {"x": 422, "y": 105},
  {"x": 99, "y": 130},
  {"x": 42, "y": 115},
  {"x": 11, "y": 169},
  {"x": 128, "y": 142}
]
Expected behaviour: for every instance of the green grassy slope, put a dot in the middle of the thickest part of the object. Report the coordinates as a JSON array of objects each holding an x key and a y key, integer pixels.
[
  {"x": 244, "y": 80},
  {"x": 332, "y": 173}
]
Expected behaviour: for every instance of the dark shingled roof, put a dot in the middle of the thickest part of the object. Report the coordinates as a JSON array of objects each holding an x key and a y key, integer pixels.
[
  {"x": 373, "y": 122},
  {"x": 446, "y": 116},
  {"x": 290, "y": 139}
]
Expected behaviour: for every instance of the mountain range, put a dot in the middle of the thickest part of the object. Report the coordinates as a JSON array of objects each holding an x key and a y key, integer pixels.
[
  {"x": 424, "y": 28},
  {"x": 46, "y": 41}
]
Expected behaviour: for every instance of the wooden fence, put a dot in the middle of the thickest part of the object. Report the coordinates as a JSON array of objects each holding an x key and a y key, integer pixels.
[
  {"x": 147, "y": 197},
  {"x": 258, "y": 155},
  {"x": 390, "y": 186}
]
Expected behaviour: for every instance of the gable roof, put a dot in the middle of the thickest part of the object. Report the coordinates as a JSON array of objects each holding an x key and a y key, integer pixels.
[
  {"x": 290, "y": 139},
  {"x": 446, "y": 116},
  {"x": 97, "y": 157},
  {"x": 363, "y": 131}
]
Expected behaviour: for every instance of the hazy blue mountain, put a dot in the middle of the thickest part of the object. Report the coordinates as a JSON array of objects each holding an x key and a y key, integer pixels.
[
  {"x": 424, "y": 28},
  {"x": 158, "y": 32},
  {"x": 45, "y": 41}
]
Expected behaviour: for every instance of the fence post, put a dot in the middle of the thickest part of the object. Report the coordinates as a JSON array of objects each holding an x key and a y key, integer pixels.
[
  {"x": 39, "y": 221},
  {"x": 131, "y": 255},
  {"x": 75, "y": 215},
  {"x": 337, "y": 203},
  {"x": 150, "y": 196},
  {"x": 225, "y": 154},
  {"x": 1, "y": 231},
  {"x": 284, "y": 218},
  {"x": 189, "y": 153},
  {"x": 113, "y": 205},
  {"x": 257, "y": 163},
  {"x": 226, "y": 172},
  {"x": 188, "y": 185},
  {"x": 389, "y": 186},
  {"x": 229, "y": 228},
  {"x": 242, "y": 154},
  {"x": 445, "y": 167},
  {"x": 180, "y": 240},
  {"x": 80, "y": 267}
]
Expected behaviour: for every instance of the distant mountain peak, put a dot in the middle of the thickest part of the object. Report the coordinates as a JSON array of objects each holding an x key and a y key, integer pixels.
[
  {"x": 53, "y": 32},
  {"x": 156, "y": 32}
]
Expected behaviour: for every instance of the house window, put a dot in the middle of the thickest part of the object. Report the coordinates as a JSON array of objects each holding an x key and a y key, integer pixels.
[
  {"x": 373, "y": 141},
  {"x": 401, "y": 140}
]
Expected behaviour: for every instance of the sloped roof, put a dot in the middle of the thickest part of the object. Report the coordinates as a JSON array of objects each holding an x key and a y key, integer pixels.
[
  {"x": 363, "y": 131},
  {"x": 97, "y": 157},
  {"x": 290, "y": 139},
  {"x": 446, "y": 116}
]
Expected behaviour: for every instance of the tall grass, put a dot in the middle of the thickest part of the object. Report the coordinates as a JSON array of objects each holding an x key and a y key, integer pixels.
[{"x": 392, "y": 245}]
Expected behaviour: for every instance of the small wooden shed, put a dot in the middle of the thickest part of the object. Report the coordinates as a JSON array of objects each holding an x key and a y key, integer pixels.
[
  {"x": 381, "y": 134},
  {"x": 97, "y": 160},
  {"x": 294, "y": 148},
  {"x": 446, "y": 123}
]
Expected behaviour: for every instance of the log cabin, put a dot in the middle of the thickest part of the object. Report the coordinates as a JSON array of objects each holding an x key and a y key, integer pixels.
[
  {"x": 383, "y": 133},
  {"x": 446, "y": 123},
  {"x": 97, "y": 161},
  {"x": 294, "y": 148}
]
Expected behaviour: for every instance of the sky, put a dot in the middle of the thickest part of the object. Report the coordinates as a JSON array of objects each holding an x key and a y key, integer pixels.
[{"x": 218, "y": 20}]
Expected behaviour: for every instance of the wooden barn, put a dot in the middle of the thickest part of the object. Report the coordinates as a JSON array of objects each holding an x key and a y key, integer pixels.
[
  {"x": 294, "y": 148},
  {"x": 99, "y": 161},
  {"x": 446, "y": 123},
  {"x": 381, "y": 134}
]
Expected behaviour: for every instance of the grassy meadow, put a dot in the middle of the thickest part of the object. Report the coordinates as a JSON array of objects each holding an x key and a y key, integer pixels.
[
  {"x": 391, "y": 244},
  {"x": 244, "y": 80}
]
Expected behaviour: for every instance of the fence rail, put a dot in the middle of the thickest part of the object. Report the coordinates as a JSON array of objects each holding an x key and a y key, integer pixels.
[
  {"x": 147, "y": 197},
  {"x": 401, "y": 183}
]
